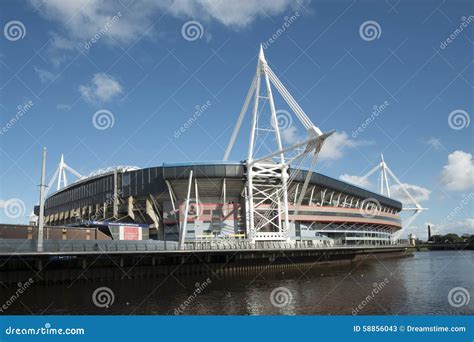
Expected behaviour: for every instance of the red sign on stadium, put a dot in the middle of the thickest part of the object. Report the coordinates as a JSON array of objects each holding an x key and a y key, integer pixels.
[{"x": 130, "y": 233}]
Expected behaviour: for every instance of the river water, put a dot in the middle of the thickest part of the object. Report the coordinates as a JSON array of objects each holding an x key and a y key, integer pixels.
[{"x": 415, "y": 285}]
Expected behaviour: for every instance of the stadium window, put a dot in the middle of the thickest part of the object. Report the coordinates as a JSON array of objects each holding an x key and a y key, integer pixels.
[
  {"x": 167, "y": 172},
  {"x": 126, "y": 179},
  {"x": 139, "y": 178},
  {"x": 220, "y": 171},
  {"x": 133, "y": 179},
  {"x": 229, "y": 171},
  {"x": 210, "y": 171}
]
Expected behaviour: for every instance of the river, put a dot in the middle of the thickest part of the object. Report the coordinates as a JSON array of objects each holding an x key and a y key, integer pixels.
[{"x": 415, "y": 285}]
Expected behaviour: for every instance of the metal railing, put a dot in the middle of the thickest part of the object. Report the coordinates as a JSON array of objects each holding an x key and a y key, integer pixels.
[
  {"x": 280, "y": 245},
  {"x": 22, "y": 246},
  {"x": 53, "y": 246}
]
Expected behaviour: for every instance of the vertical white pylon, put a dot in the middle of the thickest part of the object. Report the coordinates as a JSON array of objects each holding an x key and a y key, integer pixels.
[
  {"x": 268, "y": 178},
  {"x": 60, "y": 177},
  {"x": 384, "y": 186},
  {"x": 62, "y": 174},
  {"x": 384, "y": 189},
  {"x": 262, "y": 197},
  {"x": 254, "y": 92}
]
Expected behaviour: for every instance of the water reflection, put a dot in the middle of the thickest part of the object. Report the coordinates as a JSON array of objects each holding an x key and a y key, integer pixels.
[{"x": 416, "y": 285}]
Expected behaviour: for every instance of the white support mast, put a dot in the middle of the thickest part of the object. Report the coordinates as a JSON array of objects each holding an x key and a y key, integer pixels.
[
  {"x": 183, "y": 228},
  {"x": 59, "y": 175},
  {"x": 384, "y": 189},
  {"x": 268, "y": 177}
]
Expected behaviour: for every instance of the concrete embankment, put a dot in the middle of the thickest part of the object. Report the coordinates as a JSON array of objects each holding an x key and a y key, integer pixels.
[{"x": 135, "y": 263}]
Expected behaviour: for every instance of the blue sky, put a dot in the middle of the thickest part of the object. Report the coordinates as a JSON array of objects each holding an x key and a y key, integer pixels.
[{"x": 150, "y": 74}]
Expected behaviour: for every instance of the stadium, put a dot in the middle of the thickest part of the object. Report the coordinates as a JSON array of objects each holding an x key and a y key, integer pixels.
[
  {"x": 156, "y": 198},
  {"x": 271, "y": 197}
]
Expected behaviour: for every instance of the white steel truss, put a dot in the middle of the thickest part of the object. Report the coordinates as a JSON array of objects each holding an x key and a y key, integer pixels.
[
  {"x": 269, "y": 177},
  {"x": 384, "y": 189},
  {"x": 59, "y": 175}
]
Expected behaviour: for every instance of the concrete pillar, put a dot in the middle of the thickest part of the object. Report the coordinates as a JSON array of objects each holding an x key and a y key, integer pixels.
[{"x": 130, "y": 212}]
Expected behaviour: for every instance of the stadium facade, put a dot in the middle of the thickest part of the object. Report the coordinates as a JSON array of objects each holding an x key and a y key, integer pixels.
[{"x": 332, "y": 211}]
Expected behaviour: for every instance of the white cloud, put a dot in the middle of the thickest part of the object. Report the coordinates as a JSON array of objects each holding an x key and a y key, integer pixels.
[
  {"x": 44, "y": 75},
  {"x": 83, "y": 19},
  {"x": 290, "y": 135},
  {"x": 335, "y": 145},
  {"x": 59, "y": 49},
  {"x": 435, "y": 143},
  {"x": 419, "y": 193},
  {"x": 356, "y": 180},
  {"x": 230, "y": 13},
  {"x": 458, "y": 174},
  {"x": 102, "y": 88}
]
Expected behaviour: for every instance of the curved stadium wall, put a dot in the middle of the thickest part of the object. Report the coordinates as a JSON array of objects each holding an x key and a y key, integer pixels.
[{"x": 331, "y": 209}]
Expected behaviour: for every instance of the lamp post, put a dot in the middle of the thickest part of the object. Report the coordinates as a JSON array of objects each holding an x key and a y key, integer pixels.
[{"x": 41, "y": 201}]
